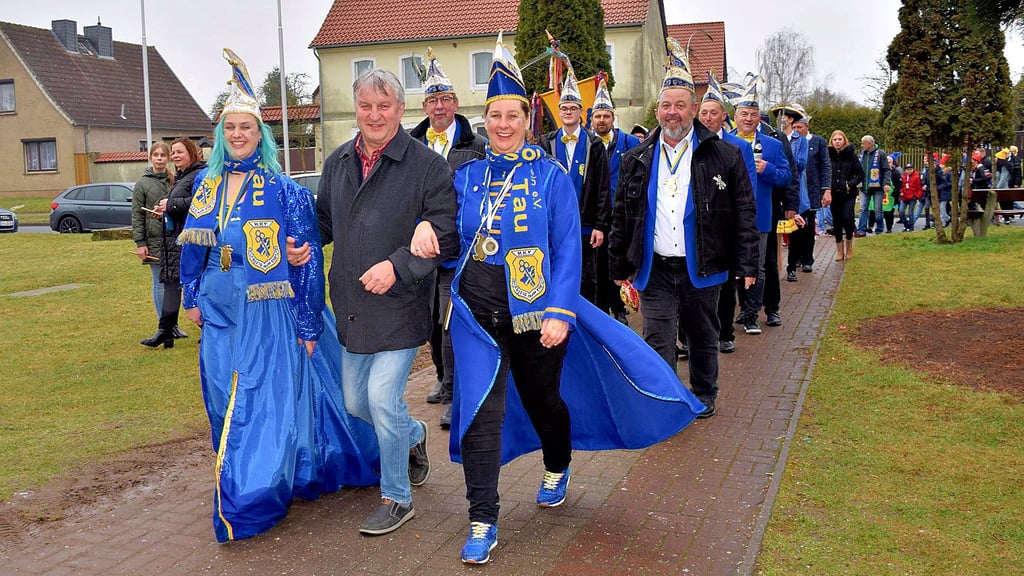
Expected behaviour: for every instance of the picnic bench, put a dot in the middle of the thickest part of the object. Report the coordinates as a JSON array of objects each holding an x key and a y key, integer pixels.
[{"x": 991, "y": 197}]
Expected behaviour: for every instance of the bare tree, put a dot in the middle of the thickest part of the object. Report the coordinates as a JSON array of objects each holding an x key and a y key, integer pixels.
[
  {"x": 786, "y": 63},
  {"x": 875, "y": 85}
]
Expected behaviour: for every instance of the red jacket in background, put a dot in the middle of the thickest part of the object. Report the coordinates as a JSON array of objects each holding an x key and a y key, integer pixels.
[{"x": 911, "y": 186}]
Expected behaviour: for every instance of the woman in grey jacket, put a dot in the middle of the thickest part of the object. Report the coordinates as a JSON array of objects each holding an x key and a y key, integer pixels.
[{"x": 147, "y": 223}]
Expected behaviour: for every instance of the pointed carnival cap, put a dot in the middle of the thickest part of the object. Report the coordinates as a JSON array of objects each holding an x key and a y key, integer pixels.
[
  {"x": 506, "y": 82},
  {"x": 437, "y": 81},
  {"x": 570, "y": 89},
  {"x": 241, "y": 97},
  {"x": 602, "y": 99},
  {"x": 749, "y": 96},
  {"x": 714, "y": 91},
  {"x": 677, "y": 69}
]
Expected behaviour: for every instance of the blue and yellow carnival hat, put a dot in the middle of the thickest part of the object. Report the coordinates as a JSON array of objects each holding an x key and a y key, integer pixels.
[
  {"x": 750, "y": 96},
  {"x": 570, "y": 89},
  {"x": 437, "y": 81},
  {"x": 677, "y": 68},
  {"x": 506, "y": 82},
  {"x": 602, "y": 99},
  {"x": 714, "y": 91},
  {"x": 241, "y": 97}
]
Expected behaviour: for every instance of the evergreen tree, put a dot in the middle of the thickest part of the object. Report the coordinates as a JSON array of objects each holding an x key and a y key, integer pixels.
[{"x": 579, "y": 27}]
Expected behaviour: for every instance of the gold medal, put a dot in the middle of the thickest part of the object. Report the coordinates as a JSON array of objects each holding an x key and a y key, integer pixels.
[
  {"x": 225, "y": 258},
  {"x": 671, "y": 185},
  {"x": 489, "y": 246}
]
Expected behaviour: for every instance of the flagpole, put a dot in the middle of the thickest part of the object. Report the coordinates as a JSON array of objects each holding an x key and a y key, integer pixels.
[
  {"x": 145, "y": 79},
  {"x": 284, "y": 93}
]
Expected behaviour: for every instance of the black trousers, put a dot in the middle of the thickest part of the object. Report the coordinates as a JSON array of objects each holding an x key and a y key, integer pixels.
[
  {"x": 169, "y": 310},
  {"x": 588, "y": 276},
  {"x": 537, "y": 372},
  {"x": 801, "y": 243},
  {"x": 727, "y": 311},
  {"x": 608, "y": 299},
  {"x": 672, "y": 304},
  {"x": 843, "y": 225}
]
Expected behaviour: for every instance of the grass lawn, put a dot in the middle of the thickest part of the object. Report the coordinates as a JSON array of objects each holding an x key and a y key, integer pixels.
[
  {"x": 30, "y": 210},
  {"x": 893, "y": 471}
]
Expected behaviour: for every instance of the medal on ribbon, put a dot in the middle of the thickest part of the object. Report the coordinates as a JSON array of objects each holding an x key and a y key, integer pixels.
[{"x": 225, "y": 258}]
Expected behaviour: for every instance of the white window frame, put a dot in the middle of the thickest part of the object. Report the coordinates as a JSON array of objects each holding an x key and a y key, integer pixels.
[
  {"x": 355, "y": 66},
  {"x": 472, "y": 69},
  {"x": 610, "y": 47},
  {"x": 14, "y": 98},
  {"x": 401, "y": 73}
]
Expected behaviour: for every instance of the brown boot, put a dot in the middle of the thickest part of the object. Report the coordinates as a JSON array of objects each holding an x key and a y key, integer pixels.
[
  {"x": 849, "y": 249},
  {"x": 840, "y": 251}
]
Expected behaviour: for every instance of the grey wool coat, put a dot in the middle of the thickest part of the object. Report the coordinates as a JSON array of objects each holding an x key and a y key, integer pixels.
[{"x": 373, "y": 220}]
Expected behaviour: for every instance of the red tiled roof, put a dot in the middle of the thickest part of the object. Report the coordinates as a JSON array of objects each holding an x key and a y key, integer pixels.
[
  {"x": 295, "y": 112},
  {"x": 91, "y": 90},
  {"x": 121, "y": 157},
  {"x": 352, "y": 22},
  {"x": 705, "y": 53}
]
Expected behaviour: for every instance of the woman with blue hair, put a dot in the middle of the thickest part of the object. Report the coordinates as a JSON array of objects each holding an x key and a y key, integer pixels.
[{"x": 269, "y": 358}]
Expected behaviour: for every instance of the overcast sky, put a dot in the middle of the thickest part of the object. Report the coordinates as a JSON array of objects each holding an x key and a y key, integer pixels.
[{"x": 847, "y": 38}]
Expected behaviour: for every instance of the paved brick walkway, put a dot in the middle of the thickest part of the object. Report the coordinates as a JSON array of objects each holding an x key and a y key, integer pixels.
[{"x": 695, "y": 504}]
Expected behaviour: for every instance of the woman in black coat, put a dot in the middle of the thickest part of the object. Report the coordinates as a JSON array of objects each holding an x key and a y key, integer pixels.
[
  {"x": 189, "y": 162},
  {"x": 847, "y": 174}
]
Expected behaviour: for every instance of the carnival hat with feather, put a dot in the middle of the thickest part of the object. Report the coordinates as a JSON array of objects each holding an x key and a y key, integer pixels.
[
  {"x": 437, "y": 81},
  {"x": 506, "y": 81},
  {"x": 677, "y": 67},
  {"x": 241, "y": 97},
  {"x": 570, "y": 89},
  {"x": 714, "y": 91},
  {"x": 792, "y": 110}
]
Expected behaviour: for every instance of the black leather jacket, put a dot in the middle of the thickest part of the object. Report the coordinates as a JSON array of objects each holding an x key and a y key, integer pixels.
[
  {"x": 595, "y": 200},
  {"x": 723, "y": 199}
]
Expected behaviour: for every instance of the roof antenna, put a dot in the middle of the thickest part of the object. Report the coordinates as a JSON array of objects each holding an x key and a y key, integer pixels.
[{"x": 123, "y": 111}]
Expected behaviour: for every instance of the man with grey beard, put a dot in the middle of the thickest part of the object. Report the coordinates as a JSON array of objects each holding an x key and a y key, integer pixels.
[{"x": 703, "y": 229}]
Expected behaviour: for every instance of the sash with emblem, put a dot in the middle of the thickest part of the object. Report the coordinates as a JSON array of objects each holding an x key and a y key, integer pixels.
[{"x": 266, "y": 270}]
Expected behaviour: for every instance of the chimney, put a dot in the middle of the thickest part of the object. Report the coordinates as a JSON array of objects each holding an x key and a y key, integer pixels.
[
  {"x": 102, "y": 39},
  {"x": 67, "y": 32}
]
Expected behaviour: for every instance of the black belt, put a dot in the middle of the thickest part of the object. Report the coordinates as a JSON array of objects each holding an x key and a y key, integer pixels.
[{"x": 673, "y": 261}]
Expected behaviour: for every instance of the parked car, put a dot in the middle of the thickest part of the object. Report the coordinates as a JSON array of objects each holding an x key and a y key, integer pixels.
[
  {"x": 8, "y": 221},
  {"x": 309, "y": 180},
  {"x": 92, "y": 207}
]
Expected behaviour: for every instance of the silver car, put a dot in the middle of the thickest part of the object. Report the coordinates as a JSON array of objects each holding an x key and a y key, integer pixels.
[
  {"x": 8, "y": 221},
  {"x": 92, "y": 207}
]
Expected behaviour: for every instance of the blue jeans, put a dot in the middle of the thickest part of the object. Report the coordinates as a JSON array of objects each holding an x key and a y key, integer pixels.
[
  {"x": 862, "y": 223},
  {"x": 824, "y": 218},
  {"x": 374, "y": 386},
  {"x": 158, "y": 290}
]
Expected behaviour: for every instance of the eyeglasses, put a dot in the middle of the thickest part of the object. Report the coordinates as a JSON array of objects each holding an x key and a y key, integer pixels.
[
  {"x": 446, "y": 99},
  {"x": 569, "y": 108}
]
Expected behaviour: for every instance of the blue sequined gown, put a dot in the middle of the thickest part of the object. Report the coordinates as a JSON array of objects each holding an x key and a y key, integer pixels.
[{"x": 277, "y": 416}]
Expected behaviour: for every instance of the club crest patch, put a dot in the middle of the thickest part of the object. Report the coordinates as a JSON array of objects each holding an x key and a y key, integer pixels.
[
  {"x": 262, "y": 249},
  {"x": 526, "y": 273},
  {"x": 204, "y": 199}
]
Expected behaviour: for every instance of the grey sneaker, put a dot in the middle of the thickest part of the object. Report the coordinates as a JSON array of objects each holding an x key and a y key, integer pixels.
[
  {"x": 388, "y": 517},
  {"x": 727, "y": 346},
  {"x": 419, "y": 460},
  {"x": 750, "y": 326}
]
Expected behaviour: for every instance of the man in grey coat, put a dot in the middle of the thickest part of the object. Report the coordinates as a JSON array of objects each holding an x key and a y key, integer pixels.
[{"x": 384, "y": 199}]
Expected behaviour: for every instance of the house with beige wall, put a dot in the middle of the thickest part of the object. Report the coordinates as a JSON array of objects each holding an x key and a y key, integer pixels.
[
  {"x": 65, "y": 98},
  {"x": 395, "y": 35}
]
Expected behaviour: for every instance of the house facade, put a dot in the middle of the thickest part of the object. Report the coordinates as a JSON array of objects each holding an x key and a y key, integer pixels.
[
  {"x": 65, "y": 98},
  {"x": 357, "y": 36}
]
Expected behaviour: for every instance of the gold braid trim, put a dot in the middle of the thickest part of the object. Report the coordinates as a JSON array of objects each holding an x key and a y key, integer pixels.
[
  {"x": 270, "y": 291},
  {"x": 526, "y": 322},
  {"x": 198, "y": 236}
]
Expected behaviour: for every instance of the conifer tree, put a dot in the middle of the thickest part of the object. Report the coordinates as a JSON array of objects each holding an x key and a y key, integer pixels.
[{"x": 579, "y": 27}]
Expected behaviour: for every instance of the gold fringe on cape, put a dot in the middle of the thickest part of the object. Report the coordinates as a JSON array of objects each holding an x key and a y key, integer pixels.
[
  {"x": 198, "y": 236},
  {"x": 528, "y": 321}
]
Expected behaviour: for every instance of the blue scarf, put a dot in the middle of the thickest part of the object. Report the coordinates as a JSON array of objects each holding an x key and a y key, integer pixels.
[
  {"x": 266, "y": 271},
  {"x": 524, "y": 249}
]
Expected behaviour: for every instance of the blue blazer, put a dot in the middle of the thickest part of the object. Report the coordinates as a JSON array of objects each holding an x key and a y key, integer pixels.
[{"x": 776, "y": 174}]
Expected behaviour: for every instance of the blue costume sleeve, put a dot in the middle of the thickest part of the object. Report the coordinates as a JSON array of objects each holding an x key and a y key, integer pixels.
[
  {"x": 777, "y": 172},
  {"x": 566, "y": 247},
  {"x": 307, "y": 280},
  {"x": 193, "y": 260}
]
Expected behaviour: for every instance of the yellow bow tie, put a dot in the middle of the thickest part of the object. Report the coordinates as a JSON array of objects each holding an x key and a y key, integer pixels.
[
  {"x": 433, "y": 137},
  {"x": 607, "y": 138},
  {"x": 566, "y": 138}
]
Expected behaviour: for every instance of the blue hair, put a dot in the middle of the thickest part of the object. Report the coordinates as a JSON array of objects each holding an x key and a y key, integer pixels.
[{"x": 267, "y": 150}]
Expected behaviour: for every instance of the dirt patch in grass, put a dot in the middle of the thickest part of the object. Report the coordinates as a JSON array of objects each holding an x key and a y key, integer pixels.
[{"x": 979, "y": 348}]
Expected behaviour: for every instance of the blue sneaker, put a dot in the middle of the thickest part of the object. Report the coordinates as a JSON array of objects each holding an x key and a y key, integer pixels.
[
  {"x": 482, "y": 539},
  {"x": 552, "y": 489}
]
